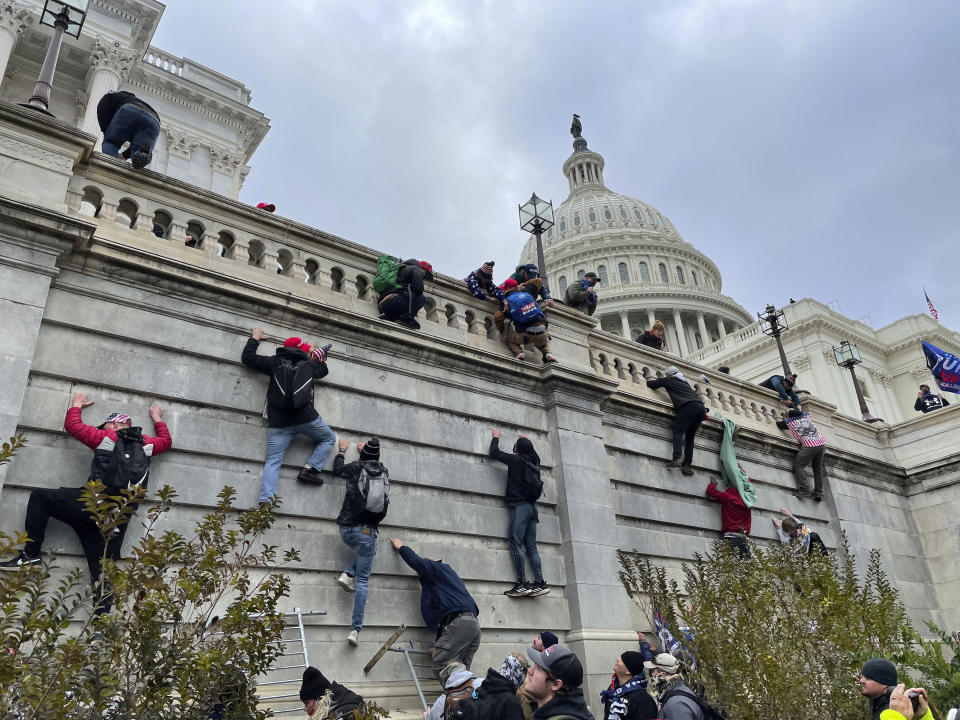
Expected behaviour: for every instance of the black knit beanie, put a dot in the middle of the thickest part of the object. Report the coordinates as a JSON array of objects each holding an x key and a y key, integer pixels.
[
  {"x": 633, "y": 661},
  {"x": 371, "y": 449},
  {"x": 314, "y": 684},
  {"x": 880, "y": 670}
]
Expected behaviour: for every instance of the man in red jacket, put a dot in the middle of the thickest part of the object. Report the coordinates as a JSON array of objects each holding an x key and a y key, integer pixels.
[
  {"x": 735, "y": 517},
  {"x": 66, "y": 504}
]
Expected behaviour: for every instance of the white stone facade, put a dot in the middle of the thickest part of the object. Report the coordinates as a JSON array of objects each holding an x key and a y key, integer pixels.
[{"x": 208, "y": 129}]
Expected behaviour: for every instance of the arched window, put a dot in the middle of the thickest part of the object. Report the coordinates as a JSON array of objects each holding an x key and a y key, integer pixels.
[
  {"x": 602, "y": 273},
  {"x": 255, "y": 253},
  {"x": 644, "y": 273},
  {"x": 127, "y": 213},
  {"x": 576, "y": 219},
  {"x": 623, "y": 214},
  {"x": 161, "y": 223},
  {"x": 693, "y": 275},
  {"x": 592, "y": 216},
  {"x": 310, "y": 268},
  {"x": 624, "y": 273},
  {"x": 225, "y": 243},
  {"x": 194, "y": 234},
  {"x": 580, "y": 274},
  {"x": 663, "y": 273},
  {"x": 284, "y": 262},
  {"x": 607, "y": 214},
  {"x": 563, "y": 284},
  {"x": 638, "y": 215},
  {"x": 680, "y": 275},
  {"x": 563, "y": 225},
  {"x": 90, "y": 202}
]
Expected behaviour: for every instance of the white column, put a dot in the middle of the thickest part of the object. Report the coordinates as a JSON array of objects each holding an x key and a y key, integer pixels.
[
  {"x": 678, "y": 324},
  {"x": 13, "y": 21},
  {"x": 721, "y": 328},
  {"x": 651, "y": 319},
  {"x": 704, "y": 335},
  {"x": 109, "y": 64},
  {"x": 625, "y": 324}
]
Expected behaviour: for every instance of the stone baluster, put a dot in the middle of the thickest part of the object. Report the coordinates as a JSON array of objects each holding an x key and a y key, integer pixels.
[
  {"x": 108, "y": 211},
  {"x": 73, "y": 199},
  {"x": 144, "y": 223},
  {"x": 178, "y": 233},
  {"x": 209, "y": 244},
  {"x": 270, "y": 258}
]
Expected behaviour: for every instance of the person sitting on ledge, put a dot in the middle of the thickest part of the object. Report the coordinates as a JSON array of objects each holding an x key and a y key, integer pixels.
[
  {"x": 783, "y": 386},
  {"x": 402, "y": 302},
  {"x": 653, "y": 337},
  {"x": 690, "y": 413},
  {"x": 123, "y": 117},
  {"x": 927, "y": 401}
]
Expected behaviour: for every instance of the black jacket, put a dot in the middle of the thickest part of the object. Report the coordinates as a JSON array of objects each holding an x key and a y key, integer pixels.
[
  {"x": 278, "y": 417},
  {"x": 410, "y": 278},
  {"x": 634, "y": 705},
  {"x": 879, "y": 704},
  {"x": 679, "y": 390},
  {"x": 515, "y": 469},
  {"x": 570, "y": 704},
  {"x": 650, "y": 340},
  {"x": 113, "y": 101},
  {"x": 343, "y": 701},
  {"x": 498, "y": 698},
  {"x": 353, "y": 511},
  {"x": 927, "y": 402}
]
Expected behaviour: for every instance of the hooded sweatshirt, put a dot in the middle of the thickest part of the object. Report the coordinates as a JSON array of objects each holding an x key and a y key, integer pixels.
[
  {"x": 498, "y": 698},
  {"x": 516, "y": 465},
  {"x": 570, "y": 704},
  {"x": 677, "y": 388},
  {"x": 441, "y": 590},
  {"x": 542, "y": 290},
  {"x": 650, "y": 340},
  {"x": 278, "y": 417}
]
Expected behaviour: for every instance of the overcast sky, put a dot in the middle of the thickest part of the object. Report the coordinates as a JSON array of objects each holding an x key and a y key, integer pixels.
[{"x": 808, "y": 147}]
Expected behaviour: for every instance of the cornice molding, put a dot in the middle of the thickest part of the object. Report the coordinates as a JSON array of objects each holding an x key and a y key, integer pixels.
[{"x": 110, "y": 56}]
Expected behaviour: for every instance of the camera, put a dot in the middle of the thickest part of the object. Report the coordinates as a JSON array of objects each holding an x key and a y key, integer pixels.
[{"x": 915, "y": 699}]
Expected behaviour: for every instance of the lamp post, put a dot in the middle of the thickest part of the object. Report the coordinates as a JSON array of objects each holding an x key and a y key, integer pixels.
[
  {"x": 848, "y": 356},
  {"x": 536, "y": 215},
  {"x": 64, "y": 16},
  {"x": 776, "y": 323}
]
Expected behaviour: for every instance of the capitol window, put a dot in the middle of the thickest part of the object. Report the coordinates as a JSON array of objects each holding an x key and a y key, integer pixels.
[
  {"x": 592, "y": 216},
  {"x": 608, "y": 215},
  {"x": 563, "y": 226},
  {"x": 644, "y": 273},
  {"x": 693, "y": 274},
  {"x": 624, "y": 273},
  {"x": 623, "y": 214},
  {"x": 576, "y": 219},
  {"x": 680, "y": 275},
  {"x": 602, "y": 273},
  {"x": 563, "y": 284},
  {"x": 637, "y": 214},
  {"x": 581, "y": 274},
  {"x": 663, "y": 273}
]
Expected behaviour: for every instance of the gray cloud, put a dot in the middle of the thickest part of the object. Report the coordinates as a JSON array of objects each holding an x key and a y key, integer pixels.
[{"x": 808, "y": 147}]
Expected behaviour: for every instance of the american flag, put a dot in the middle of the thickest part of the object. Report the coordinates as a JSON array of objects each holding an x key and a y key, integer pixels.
[{"x": 933, "y": 310}]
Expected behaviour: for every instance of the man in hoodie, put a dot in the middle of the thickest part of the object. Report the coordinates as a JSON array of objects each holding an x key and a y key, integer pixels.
[
  {"x": 690, "y": 413},
  {"x": 783, "y": 385},
  {"x": 812, "y": 450},
  {"x": 447, "y": 609},
  {"x": 524, "y": 488},
  {"x": 627, "y": 697},
  {"x": 554, "y": 681},
  {"x": 364, "y": 507},
  {"x": 285, "y": 416},
  {"x": 123, "y": 117},
  {"x": 529, "y": 276},
  {"x": 402, "y": 302},
  {"x": 323, "y": 699},
  {"x": 523, "y": 322},
  {"x": 877, "y": 681},
  {"x": 927, "y": 401},
  {"x": 497, "y": 696},
  {"x": 582, "y": 295},
  {"x": 653, "y": 337},
  {"x": 480, "y": 284},
  {"x": 677, "y": 701}
]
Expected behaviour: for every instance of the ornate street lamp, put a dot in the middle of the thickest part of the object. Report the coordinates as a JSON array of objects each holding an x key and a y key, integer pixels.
[
  {"x": 848, "y": 356},
  {"x": 776, "y": 323},
  {"x": 536, "y": 215},
  {"x": 64, "y": 16}
]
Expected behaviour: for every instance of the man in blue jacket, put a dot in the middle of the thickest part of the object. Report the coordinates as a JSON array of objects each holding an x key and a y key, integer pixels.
[{"x": 447, "y": 609}]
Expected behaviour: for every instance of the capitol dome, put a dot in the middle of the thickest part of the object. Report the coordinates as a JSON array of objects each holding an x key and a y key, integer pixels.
[{"x": 647, "y": 271}]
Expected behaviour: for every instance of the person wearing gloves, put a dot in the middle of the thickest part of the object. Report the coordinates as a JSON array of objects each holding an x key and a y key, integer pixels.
[
  {"x": 877, "y": 681},
  {"x": 325, "y": 700},
  {"x": 627, "y": 697},
  {"x": 690, "y": 413}
]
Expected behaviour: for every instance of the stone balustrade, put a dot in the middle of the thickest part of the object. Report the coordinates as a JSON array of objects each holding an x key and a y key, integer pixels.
[{"x": 164, "y": 61}]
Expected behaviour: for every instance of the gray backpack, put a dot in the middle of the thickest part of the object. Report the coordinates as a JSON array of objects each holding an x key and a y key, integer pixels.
[{"x": 374, "y": 485}]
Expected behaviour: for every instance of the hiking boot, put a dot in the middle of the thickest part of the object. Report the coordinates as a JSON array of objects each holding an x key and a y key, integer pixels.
[
  {"x": 520, "y": 589},
  {"x": 521, "y": 357},
  {"x": 19, "y": 561},
  {"x": 548, "y": 358},
  {"x": 675, "y": 463},
  {"x": 817, "y": 497},
  {"x": 347, "y": 582},
  {"x": 409, "y": 322},
  {"x": 686, "y": 470},
  {"x": 538, "y": 588},
  {"x": 310, "y": 475},
  {"x": 353, "y": 639}
]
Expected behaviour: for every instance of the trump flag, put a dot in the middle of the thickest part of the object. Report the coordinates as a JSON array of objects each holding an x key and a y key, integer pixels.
[{"x": 944, "y": 367}]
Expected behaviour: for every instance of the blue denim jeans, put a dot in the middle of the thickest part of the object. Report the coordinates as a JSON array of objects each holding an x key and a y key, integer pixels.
[
  {"x": 785, "y": 394},
  {"x": 523, "y": 536},
  {"x": 279, "y": 439},
  {"x": 131, "y": 124},
  {"x": 365, "y": 548}
]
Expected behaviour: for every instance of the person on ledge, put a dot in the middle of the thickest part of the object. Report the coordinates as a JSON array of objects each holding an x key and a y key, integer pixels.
[
  {"x": 66, "y": 504},
  {"x": 783, "y": 386},
  {"x": 582, "y": 295},
  {"x": 690, "y": 413},
  {"x": 401, "y": 304},
  {"x": 365, "y": 504},
  {"x": 480, "y": 284},
  {"x": 323, "y": 700},
  {"x": 927, "y": 401},
  {"x": 447, "y": 609},
  {"x": 528, "y": 276},
  {"x": 523, "y": 322},
  {"x": 812, "y": 450},
  {"x": 289, "y": 407},
  {"x": 123, "y": 117},
  {"x": 653, "y": 337}
]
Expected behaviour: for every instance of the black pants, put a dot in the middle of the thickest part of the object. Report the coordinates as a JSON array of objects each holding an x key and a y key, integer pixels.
[
  {"x": 66, "y": 506},
  {"x": 685, "y": 426},
  {"x": 403, "y": 305},
  {"x": 739, "y": 543}
]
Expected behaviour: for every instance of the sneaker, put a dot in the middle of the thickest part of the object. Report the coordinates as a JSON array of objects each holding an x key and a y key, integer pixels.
[
  {"x": 539, "y": 588},
  {"x": 675, "y": 463},
  {"x": 817, "y": 497},
  {"x": 518, "y": 590},
  {"x": 19, "y": 561},
  {"x": 686, "y": 470},
  {"x": 803, "y": 495},
  {"x": 409, "y": 322},
  {"x": 548, "y": 358},
  {"x": 521, "y": 357},
  {"x": 347, "y": 582},
  {"x": 353, "y": 639},
  {"x": 310, "y": 475}
]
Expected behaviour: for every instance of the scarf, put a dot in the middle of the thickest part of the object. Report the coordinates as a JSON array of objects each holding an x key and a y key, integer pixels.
[
  {"x": 584, "y": 283},
  {"x": 322, "y": 709},
  {"x": 635, "y": 683}
]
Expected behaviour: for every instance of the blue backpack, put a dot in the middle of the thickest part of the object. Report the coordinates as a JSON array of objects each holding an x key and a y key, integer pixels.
[{"x": 523, "y": 308}]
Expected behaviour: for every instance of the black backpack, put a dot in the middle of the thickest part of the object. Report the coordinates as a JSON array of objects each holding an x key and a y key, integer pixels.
[
  {"x": 291, "y": 384},
  {"x": 532, "y": 487},
  {"x": 128, "y": 465},
  {"x": 709, "y": 712}
]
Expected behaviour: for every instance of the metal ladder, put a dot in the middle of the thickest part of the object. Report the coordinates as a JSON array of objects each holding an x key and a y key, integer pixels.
[
  {"x": 293, "y": 622},
  {"x": 417, "y": 669}
]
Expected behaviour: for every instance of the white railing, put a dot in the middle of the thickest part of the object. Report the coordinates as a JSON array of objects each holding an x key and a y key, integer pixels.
[{"x": 164, "y": 61}]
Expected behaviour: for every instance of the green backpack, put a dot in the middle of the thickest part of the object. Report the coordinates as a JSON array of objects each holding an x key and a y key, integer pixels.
[{"x": 388, "y": 267}]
